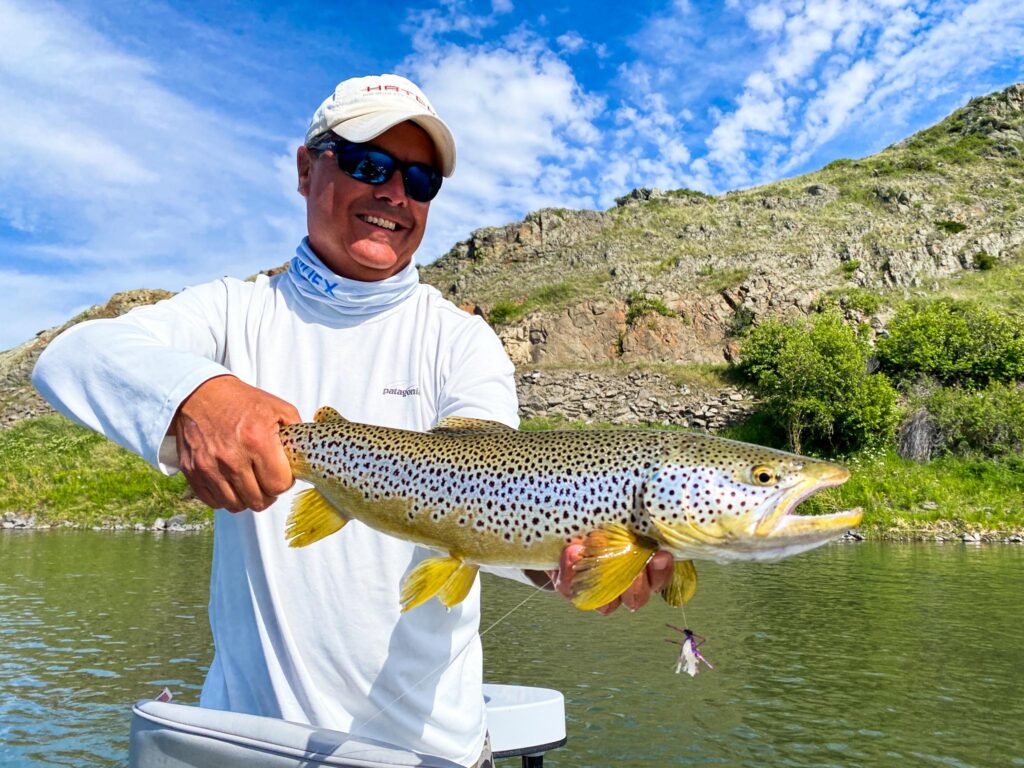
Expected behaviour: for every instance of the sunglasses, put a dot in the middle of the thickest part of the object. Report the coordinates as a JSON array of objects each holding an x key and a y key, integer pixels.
[{"x": 367, "y": 163}]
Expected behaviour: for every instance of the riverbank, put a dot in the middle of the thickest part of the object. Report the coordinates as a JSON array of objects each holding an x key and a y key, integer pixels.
[
  {"x": 941, "y": 531},
  {"x": 57, "y": 475}
]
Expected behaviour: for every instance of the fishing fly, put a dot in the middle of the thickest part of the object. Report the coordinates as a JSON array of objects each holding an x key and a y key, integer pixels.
[{"x": 690, "y": 656}]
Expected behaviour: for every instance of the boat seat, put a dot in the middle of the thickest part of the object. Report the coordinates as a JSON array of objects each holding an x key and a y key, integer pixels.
[{"x": 522, "y": 721}]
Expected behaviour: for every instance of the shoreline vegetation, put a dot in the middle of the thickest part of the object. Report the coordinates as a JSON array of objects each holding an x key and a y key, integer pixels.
[{"x": 59, "y": 476}]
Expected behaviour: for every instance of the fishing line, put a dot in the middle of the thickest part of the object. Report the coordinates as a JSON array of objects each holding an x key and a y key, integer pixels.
[{"x": 451, "y": 661}]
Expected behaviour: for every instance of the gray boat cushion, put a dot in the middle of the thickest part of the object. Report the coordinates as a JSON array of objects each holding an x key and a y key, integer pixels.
[{"x": 165, "y": 735}]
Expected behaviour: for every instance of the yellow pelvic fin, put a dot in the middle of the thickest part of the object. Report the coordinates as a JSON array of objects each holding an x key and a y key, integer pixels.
[
  {"x": 683, "y": 585},
  {"x": 612, "y": 557},
  {"x": 313, "y": 517},
  {"x": 447, "y": 577},
  {"x": 466, "y": 424},
  {"x": 326, "y": 413}
]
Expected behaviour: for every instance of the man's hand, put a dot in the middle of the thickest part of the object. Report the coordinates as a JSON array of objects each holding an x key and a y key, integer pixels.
[
  {"x": 228, "y": 445},
  {"x": 654, "y": 578}
]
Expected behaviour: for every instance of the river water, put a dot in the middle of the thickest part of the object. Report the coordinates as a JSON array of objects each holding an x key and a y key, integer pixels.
[{"x": 852, "y": 655}]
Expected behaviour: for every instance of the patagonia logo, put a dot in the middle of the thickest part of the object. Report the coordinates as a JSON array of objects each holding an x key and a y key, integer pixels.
[{"x": 401, "y": 390}]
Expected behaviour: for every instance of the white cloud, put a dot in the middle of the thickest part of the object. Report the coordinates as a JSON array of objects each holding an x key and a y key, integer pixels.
[
  {"x": 571, "y": 42},
  {"x": 523, "y": 127},
  {"x": 766, "y": 17},
  {"x": 117, "y": 177},
  {"x": 830, "y": 62}
]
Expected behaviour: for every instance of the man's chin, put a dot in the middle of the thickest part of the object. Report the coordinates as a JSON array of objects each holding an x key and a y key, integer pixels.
[{"x": 373, "y": 261}]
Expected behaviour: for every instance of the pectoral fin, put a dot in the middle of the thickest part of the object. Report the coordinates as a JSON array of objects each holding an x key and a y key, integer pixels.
[
  {"x": 612, "y": 557},
  {"x": 312, "y": 518},
  {"x": 447, "y": 577},
  {"x": 683, "y": 585}
]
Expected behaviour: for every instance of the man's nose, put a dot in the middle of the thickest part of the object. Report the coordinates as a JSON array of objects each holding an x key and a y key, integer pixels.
[{"x": 393, "y": 190}]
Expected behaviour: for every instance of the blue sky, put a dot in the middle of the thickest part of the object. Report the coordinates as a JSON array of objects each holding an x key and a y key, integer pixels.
[{"x": 151, "y": 144}]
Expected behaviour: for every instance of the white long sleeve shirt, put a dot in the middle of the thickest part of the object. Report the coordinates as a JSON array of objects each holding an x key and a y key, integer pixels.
[{"x": 312, "y": 635}]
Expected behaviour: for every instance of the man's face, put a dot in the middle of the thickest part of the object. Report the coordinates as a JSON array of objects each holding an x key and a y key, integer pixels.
[{"x": 340, "y": 211}]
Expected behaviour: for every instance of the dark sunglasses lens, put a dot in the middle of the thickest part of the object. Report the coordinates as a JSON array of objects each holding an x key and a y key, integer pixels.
[
  {"x": 371, "y": 166},
  {"x": 366, "y": 165},
  {"x": 422, "y": 182}
]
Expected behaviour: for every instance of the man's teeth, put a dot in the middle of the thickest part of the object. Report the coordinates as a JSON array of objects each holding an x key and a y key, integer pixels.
[{"x": 380, "y": 222}]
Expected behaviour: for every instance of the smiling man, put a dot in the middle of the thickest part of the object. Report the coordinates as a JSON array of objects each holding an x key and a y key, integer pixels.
[{"x": 203, "y": 381}]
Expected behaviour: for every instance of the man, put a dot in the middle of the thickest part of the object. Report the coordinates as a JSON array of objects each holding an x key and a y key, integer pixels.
[{"x": 203, "y": 381}]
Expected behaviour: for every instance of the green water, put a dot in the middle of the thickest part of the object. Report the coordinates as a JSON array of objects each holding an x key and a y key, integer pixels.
[{"x": 853, "y": 655}]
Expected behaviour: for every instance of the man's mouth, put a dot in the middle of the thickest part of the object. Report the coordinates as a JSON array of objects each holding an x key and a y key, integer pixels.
[{"x": 377, "y": 221}]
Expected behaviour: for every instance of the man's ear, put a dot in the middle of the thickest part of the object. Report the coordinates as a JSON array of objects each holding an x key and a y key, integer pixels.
[{"x": 304, "y": 165}]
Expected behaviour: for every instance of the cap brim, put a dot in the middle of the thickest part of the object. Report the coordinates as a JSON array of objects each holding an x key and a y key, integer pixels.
[{"x": 368, "y": 127}]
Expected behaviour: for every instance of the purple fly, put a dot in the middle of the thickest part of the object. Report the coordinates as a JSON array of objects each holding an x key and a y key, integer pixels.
[{"x": 689, "y": 652}]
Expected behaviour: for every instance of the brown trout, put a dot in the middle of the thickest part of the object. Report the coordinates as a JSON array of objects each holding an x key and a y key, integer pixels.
[{"x": 485, "y": 494}]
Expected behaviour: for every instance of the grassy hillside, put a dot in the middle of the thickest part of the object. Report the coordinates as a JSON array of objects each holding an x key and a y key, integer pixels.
[{"x": 57, "y": 471}]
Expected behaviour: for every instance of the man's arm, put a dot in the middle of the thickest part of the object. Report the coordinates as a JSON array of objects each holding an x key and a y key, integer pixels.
[{"x": 159, "y": 370}]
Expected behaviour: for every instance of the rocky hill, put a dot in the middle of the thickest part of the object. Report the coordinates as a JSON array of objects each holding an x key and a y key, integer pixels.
[{"x": 671, "y": 277}]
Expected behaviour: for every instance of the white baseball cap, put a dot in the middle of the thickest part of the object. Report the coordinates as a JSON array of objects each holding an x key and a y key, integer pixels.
[{"x": 362, "y": 108}]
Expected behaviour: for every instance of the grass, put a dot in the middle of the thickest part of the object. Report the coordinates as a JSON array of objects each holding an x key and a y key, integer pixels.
[
  {"x": 897, "y": 495},
  {"x": 641, "y": 305},
  {"x": 999, "y": 285},
  {"x": 551, "y": 296},
  {"x": 59, "y": 471}
]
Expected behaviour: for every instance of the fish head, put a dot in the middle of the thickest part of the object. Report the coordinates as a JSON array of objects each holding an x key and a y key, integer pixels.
[{"x": 724, "y": 500}]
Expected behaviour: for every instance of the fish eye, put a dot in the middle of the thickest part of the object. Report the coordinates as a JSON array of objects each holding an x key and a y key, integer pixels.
[{"x": 763, "y": 475}]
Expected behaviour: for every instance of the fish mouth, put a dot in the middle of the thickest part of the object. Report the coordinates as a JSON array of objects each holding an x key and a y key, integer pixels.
[{"x": 782, "y": 524}]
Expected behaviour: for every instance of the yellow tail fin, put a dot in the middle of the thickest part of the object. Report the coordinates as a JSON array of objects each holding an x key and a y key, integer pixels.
[{"x": 313, "y": 517}]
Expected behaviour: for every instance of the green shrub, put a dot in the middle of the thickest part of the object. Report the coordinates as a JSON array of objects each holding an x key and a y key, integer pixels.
[
  {"x": 951, "y": 227},
  {"x": 812, "y": 377},
  {"x": 850, "y": 267},
  {"x": 640, "y": 304},
  {"x": 955, "y": 342},
  {"x": 984, "y": 261},
  {"x": 988, "y": 422},
  {"x": 504, "y": 312},
  {"x": 861, "y": 300}
]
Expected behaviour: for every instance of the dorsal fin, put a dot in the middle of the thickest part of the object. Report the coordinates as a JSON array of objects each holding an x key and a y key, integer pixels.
[
  {"x": 327, "y": 413},
  {"x": 466, "y": 424}
]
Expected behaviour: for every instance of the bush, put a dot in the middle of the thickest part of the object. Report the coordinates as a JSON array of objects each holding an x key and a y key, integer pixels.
[
  {"x": 641, "y": 304},
  {"x": 989, "y": 422},
  {"x": 504, "y": 312},
  {"x": 955, "y": 342},
  {"x": 984, "y": 261},
  {"x": 813, "y": 379},
  {"x": 951, "y": 227}
]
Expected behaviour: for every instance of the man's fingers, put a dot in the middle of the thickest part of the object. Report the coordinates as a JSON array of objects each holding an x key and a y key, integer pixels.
[
  {"x": 653, "y": 578},
  {"x": 289, "y": 414},
  {"x": 638, "y": 593},
  {"x": 660, "y": 570},
  {"x": 570, "y": 556},
  {"x": 273, "y": 473}
]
